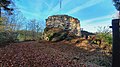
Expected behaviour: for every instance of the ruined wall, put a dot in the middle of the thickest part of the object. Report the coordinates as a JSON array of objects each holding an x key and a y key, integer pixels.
[{"x": 64, "y": 22}]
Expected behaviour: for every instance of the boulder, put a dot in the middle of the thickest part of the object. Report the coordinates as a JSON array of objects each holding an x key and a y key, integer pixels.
[
  {"x": 54, "y": 34},
  {"x": 60, "y": 27}
]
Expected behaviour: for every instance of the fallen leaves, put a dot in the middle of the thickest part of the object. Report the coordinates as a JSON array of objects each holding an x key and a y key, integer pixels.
[{"x": 44, "y": 54}]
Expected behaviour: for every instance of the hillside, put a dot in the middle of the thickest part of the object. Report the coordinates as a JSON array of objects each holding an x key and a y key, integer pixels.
[{"x": 53, "y": 54}]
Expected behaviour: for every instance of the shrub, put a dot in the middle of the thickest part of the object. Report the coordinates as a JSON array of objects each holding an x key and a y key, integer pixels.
[
  {"x": 7, "y": 37},
  {"x": 105, "y": 35}
]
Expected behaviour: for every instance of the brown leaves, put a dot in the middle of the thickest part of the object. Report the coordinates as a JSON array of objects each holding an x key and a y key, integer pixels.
[{"x": 43, "y": 54}]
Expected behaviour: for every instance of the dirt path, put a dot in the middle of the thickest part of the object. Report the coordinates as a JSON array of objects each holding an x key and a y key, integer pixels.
[{"x": 48, "y": 54}]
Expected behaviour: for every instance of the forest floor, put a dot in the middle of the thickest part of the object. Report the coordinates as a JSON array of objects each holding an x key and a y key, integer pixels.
[{"x": 53, "y": 54}]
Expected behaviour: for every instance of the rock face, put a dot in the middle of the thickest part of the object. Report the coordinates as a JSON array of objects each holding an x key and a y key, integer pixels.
[{"x": 59, "y": 27}]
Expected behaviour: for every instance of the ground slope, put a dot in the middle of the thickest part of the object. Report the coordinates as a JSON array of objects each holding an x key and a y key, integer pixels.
[{"x": 51, "y": 54}]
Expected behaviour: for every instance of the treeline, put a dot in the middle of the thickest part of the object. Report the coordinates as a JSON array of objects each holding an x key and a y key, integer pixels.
[
  {"x": 25, "y": 35},
  {"x": 16, "y": 27}
]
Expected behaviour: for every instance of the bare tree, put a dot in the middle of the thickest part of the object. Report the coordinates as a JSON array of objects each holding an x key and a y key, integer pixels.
[
  {"x": 35, "y": 27},
  {"x": 13, "y": 22}
]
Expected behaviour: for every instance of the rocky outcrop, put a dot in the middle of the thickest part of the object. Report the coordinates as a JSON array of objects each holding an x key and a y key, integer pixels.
[{"x": 59, "y": 27}]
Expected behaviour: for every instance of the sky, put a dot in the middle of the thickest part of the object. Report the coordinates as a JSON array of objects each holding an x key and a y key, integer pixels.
[{"x": 91, "y": 13}]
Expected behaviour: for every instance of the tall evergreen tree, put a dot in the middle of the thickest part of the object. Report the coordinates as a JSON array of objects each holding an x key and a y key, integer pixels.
[{"x": 4, "y": 4}]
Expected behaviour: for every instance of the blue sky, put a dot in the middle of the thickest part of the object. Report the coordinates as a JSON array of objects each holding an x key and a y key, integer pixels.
[{"x": 91, "y": 13}]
